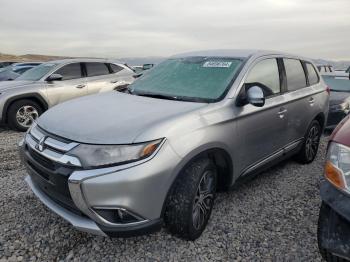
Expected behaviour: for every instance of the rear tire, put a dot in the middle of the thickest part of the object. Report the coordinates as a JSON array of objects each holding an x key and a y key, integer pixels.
[
  {"x": 311, "y": 143},
  {"x": 22, "y": 113},
  {"x": 190, "y": 204}
]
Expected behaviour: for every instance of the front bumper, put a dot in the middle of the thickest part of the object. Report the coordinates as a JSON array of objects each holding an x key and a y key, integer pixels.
[
  {"x": 334, "y": 232},
  {"x": 140, "y": 188}
]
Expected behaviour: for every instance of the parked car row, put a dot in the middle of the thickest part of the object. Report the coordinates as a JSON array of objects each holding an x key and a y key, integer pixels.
[
  {"x": 6, "y": 63},
  {"x": 14, "y": 70},
  {"x": 328, "y": 70},
  {"x": 125, "y": 163},
  {"x": 121, "y": 164},
  {"x": 51, "y": 83}
]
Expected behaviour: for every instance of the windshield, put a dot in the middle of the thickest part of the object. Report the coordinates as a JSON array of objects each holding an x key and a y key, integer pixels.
[
  {"x": 337, "y": 84},
  {"x": 201, "y": 79},
  {"x": 37, "y": 72}
]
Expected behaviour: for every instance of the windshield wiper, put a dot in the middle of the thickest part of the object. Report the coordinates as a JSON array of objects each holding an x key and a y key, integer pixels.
[{"x": 154, "y": 95}]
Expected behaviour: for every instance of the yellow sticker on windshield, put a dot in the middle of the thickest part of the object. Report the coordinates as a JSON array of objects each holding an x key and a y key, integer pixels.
[{"x": 219, "y": 64}]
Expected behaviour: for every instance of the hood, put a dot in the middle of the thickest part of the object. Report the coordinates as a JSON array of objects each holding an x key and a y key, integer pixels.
[
  {"x": 337, "y": 98},
  {"x": 5, "y": 85},
  {"x": 341, "y": 133},
  {"x": 112, "y": 117}
]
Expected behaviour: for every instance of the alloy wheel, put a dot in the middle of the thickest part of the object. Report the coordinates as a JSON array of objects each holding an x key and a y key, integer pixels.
[
  {"x": 312, "y": 142},
  {"x": 26, "y": 115},
  {"x": 204, "y": 200}
]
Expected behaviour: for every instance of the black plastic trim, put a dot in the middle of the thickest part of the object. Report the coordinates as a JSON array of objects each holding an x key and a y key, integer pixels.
[
  {"x": 336, "y": 199},
  {"x": 131, "y": 231}
]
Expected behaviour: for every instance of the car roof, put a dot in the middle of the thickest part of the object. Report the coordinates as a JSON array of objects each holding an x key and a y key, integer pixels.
[
  {"x": 80, "y": 60},
  {"x": 26, "y": 63},
  {"x": 235, "y": 53}
]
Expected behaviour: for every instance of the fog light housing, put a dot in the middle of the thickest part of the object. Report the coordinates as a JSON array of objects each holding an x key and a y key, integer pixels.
[{"x": 118, "y": 215}]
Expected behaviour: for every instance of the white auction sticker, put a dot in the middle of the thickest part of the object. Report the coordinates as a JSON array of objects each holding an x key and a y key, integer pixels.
[{"x": 217, "y": 64}]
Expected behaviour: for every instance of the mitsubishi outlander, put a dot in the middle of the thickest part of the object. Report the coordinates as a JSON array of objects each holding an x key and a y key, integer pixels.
[{"x": 121, "y": 164}]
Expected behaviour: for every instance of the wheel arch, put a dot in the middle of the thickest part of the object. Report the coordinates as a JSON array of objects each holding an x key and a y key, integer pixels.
[
  {"x": 321, "y": 118},
  {"x": 30, "y": 96},
  {"x": 222, "y": 160}
]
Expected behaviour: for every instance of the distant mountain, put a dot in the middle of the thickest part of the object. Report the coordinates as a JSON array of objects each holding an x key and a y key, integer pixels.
[{"x": 29, "y": 57}]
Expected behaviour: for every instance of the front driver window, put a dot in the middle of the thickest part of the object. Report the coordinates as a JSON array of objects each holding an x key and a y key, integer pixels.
[
  {"x": 71, "y": 71},
  {"x": 265, "y": 74}
]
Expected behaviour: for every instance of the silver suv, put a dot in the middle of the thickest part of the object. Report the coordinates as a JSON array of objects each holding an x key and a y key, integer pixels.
[
  {"x": 195, "y": 123},
  {"x": 23, "y": 100}
]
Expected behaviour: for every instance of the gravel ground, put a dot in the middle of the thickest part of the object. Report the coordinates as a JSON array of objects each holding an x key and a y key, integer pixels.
[{"x": 271, "y": 218}]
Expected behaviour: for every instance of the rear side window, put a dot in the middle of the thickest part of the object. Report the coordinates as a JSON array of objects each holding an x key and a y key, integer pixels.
[
  {"x": 313, "y": 76},
  {"x": 115, "y": 68},
  {"x": 296, "y": 78},
  {"x": 71, "y": 71},
  {"x": 265, "y": 74},
  {"x": 96, "y": 69}
]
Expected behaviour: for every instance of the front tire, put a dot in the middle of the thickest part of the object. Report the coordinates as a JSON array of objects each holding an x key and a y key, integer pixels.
[
  {"x": 311, "y": 143},
  {"x": 22, "y": 114},
  {"x": 190, "y": 204}
]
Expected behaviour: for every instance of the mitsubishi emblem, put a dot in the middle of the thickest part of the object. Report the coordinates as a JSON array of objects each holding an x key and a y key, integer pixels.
[{"x": 41, "y": 144}]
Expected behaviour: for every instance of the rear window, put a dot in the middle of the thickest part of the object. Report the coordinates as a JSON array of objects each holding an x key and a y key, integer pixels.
[
  {"x": 96, "y": 69},
  {"x": 313, "y": 76},
  {"x": 296, "y": 78},
  {"x": 115, "y": 68}
]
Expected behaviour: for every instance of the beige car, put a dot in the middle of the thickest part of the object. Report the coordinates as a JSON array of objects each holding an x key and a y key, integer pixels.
[{"x": 22, "y": 101}]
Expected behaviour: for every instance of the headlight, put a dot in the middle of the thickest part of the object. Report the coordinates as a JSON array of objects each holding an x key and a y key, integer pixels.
[
  {"x": 341, "y": 107},
  {"x": 338, "y": 166},
  {"x": 109, "y": 155}
]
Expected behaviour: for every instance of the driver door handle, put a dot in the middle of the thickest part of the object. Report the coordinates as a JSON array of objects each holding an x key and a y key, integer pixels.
[
  {"x": 80, "y": 86},
  {"x": 282, "y": 112}
]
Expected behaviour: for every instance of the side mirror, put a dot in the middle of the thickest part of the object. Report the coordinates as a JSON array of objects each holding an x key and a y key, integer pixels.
[
  {"x": 54, "y": 77},
  {"x": 255, "y": 96}
]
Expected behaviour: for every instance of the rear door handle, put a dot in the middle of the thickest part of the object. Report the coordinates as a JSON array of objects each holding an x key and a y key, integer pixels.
[
  {"x": 282, "y": 112},
  {"x": 80, "y": 86},
  {"x": 114, "y": 81}
]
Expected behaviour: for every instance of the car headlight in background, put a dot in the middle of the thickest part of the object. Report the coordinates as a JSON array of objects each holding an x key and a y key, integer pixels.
[
  {"x": 338, "y": 166},
  {"x": 341, "y": 107},
  {"x": 109, "y": 155}
]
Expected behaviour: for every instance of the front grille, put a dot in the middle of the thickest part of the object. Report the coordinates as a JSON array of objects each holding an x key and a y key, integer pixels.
[
  {"x": 49, "y": 175},
  {"x": 41, "y": 159}
]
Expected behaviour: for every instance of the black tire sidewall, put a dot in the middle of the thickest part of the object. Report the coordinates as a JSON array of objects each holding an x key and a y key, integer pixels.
[
  {"x": 194, "y": 233},
  {"x": 12, "y": 111},
  {"x": 178, "y": 212},
  {"x": 302, "y": 155}
]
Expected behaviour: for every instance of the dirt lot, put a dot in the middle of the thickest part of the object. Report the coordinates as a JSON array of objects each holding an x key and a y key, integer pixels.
[{"x": 273, "y": 217}]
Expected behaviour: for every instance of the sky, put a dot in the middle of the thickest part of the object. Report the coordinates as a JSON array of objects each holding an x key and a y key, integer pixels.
[{"x": 121, "y": 28}]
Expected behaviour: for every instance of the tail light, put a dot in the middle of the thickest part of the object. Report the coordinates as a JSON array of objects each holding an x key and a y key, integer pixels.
[{"x": 328, "y": 90}]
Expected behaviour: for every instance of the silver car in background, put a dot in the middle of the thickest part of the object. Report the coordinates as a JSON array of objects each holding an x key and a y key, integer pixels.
[
  {"x": 23, "y": 100},
  {"x": 195, "y": 123}
]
